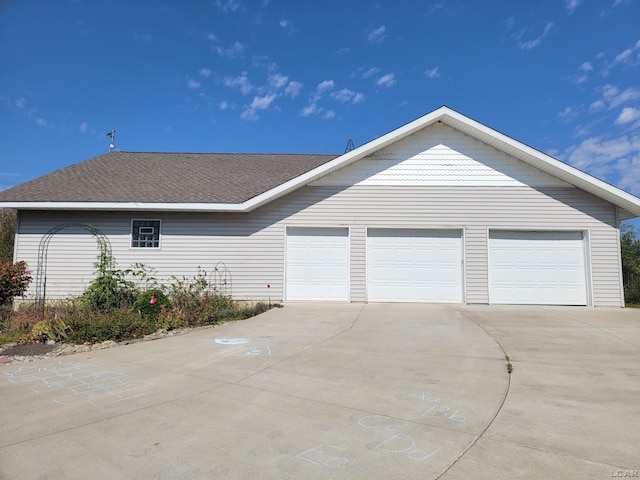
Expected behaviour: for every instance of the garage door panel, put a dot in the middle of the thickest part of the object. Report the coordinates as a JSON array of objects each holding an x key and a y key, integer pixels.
[
  {"x": 317, "y": 264},
  {"x": 406, "y": 265},
  {"x": 537, "y": 268}
]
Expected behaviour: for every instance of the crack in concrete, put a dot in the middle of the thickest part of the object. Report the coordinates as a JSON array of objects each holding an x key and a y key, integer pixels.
[{"x": 504, "y": 399}]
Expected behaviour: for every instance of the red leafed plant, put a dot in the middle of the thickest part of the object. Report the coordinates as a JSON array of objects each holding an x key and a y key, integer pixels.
[{"x": 14, "y": 280}]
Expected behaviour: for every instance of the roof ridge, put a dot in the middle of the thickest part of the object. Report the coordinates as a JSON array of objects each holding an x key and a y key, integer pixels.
[{"x": 224, "y": 153}]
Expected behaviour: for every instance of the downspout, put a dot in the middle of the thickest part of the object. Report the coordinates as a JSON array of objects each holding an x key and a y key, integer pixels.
[
  {"x": 619, "y": 254},
  {"x": 15, "y": 237}
]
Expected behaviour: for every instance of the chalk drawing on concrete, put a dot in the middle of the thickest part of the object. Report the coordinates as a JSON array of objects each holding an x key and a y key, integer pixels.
[
  {"x": 74, "y": 383},
  {"x": 248, "y": 351},
  {"x": 232, "y": 341}
]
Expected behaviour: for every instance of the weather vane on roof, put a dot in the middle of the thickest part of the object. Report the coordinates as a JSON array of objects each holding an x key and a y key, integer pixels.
[{"x": 112, "y": 143}]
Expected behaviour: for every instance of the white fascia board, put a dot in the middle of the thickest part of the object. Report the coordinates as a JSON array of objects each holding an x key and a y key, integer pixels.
[{"x": 126, "y": 206}]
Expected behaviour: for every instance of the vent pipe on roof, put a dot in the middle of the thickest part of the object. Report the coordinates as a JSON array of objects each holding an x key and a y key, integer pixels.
[{"x": 350, "y": 146}]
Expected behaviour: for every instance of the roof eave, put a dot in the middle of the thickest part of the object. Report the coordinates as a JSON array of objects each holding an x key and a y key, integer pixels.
[{"x": 128, "y": 206}]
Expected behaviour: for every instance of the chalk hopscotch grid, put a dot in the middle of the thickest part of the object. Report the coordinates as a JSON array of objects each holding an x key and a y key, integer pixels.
[{"x": 74, "y": 383}]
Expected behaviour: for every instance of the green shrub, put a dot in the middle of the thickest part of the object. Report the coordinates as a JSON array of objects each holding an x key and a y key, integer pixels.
[
  {"x": 632, "y": 293},
  {"x": 117, "y": 325},
  {"x": 150, "y": 303}
]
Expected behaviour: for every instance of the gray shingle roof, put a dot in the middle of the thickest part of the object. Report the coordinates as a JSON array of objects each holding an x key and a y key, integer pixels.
[{"x": 166, "y": 178}]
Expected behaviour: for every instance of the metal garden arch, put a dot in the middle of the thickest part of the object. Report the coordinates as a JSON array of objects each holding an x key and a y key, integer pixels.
[{"x": 43, "y": 250}]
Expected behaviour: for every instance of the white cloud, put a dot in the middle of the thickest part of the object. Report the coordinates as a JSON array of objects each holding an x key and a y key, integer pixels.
[
  {"x": 309, "y": 109},
  {"x": 258, "y": 103},
  {"x": 370, "y": 72},
  {"x": 262, "y": 103},
  {"x": 211, "y": 37},
  {"x": 345, "y": 95},
  {"x": 597, "y": 106},
  {"x": 41, "y": 122},
  {"x": 586, "y": 67},
  {"x": 572, "y": 5},
  {"x": 609, "y": 158},
  {"x": 583, "y": 70},
  {"x": 205, "y": 72},
  {"x": 263, "y": 61},
  {"x": 241, "y": 82},
  {"x": 227, "y": 5},
  {"x": 387, "y": 80},
  {"x": 597, "y": 151},
  {"x": 83, "y": 127},
  {"x": 343, "y": 51},
  {"x": 193, "y": 85},
  {"x": 629, "y": 55},
  {"x": 143, "y": 37},
  {"x": 627, "y": 115},
  {"x": 531, "y": 44},
  {"x": 615, "y": 98},
  {"x": 21, "y": 102},
  {"x": 284, "y": 23},
  {"x": 234, "y": 51},
  {"x": 325, "y": 85},
  {"x": 293, "y": 89},
  {"x": 328, "y": 115},
  {"x": 223, "y": 105},
  {"x": 432, "y": 73},
  {"x": 567, "y": 113},
  {"x": 377, "y": 35},
  {"x": 277, "y": 80}
]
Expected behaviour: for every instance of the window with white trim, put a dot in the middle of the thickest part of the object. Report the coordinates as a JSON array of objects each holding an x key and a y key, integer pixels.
[{"x": 145, "y": 234}]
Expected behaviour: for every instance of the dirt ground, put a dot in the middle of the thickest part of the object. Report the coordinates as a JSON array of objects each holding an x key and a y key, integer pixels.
[{"x": 27, "y": 349}]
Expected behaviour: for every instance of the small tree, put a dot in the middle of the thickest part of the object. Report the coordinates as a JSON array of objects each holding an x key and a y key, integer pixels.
[
  {"x": 14, "y": 281},
  {"x": 8, "y": 221},
  {"x": 630, "y": 251}
]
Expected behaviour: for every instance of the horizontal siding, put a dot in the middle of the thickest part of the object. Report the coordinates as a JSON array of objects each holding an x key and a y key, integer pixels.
[
  {"x": 440, "y": 155},
  {"x": 476, "y": 265},
  {"x": 252, "y": 245},
  {"x": 358, "y": 262}
]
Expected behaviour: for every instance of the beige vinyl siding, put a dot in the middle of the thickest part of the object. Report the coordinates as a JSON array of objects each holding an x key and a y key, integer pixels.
[
  {"x": 252, "y": 245},
  {"x": 476, "y": 265},
  {"x": 358, "y": 262}
]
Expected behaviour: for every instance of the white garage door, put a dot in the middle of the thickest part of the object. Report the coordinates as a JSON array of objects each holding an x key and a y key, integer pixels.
[
  {"x": 537, "y": 268},
  {"x": 317, "y": 264},
  {"x": 413, "y": 265}
]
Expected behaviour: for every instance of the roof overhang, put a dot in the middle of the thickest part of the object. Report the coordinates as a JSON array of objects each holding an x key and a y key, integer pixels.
[{"x": 628, "y": 205}]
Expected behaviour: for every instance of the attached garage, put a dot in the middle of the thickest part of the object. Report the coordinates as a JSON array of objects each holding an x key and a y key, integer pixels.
[
  {"x": 414, "y": 265},
  {"x": 317, "y": 264},
  {"x": 528, "y": 267}
]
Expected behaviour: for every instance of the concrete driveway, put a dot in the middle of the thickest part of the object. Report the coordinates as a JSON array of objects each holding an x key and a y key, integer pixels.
[{"x": 340, "y": 391}]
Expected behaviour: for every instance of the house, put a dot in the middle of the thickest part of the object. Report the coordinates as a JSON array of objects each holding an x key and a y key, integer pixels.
[{"x": 442, "y": 209}]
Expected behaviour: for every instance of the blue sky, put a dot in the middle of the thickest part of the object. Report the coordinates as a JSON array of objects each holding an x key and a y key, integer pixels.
[{"x": 293, "y": 76}]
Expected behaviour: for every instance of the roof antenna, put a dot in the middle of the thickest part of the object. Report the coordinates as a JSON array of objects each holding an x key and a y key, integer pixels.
[
  {"x": 112, "y": 143},
  {"x": 350, "y": 146}
]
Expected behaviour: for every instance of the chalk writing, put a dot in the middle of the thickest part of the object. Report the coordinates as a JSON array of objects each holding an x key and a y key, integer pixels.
[
  {"x": 422, "y": 397},
  {"x": 441, "y": 411},
  {"x": 404, "y": 444},
  {"x": 248, "y": 351},
  {"x": 231, "y": 341},
  {"x": 378, "y": 421},
  {"x": 73, "y": 383},
  {"x": 322, "y": 455}
]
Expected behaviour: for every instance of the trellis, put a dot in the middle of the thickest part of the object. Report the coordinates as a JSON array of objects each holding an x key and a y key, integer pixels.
[{"x": 43, "y": 251}]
